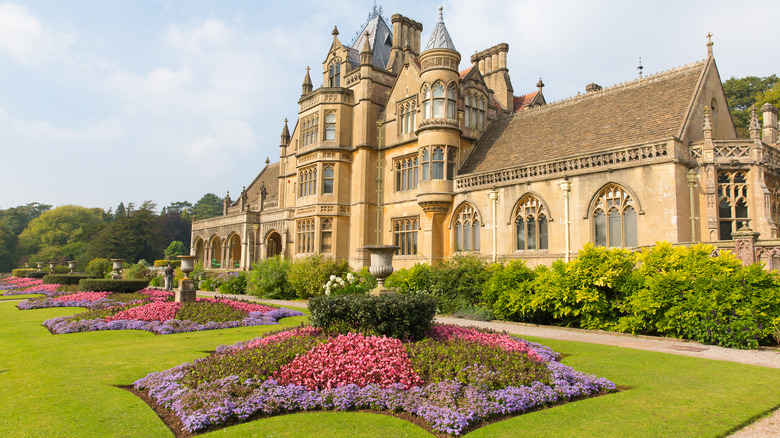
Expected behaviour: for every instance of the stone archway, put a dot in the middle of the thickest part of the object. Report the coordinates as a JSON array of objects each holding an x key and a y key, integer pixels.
[
  {"x": 273, "y": 244},
  {"x": 216, "y": 252},
  {"x": 200, "y": 252},
  {"x": 234, "y": 254}
]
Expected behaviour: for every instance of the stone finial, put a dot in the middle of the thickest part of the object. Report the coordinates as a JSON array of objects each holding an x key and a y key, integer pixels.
[
  {"x": 307, "y": 86},
  {"x": 709, "y": 45},
  {"x": 441, "y": 14},
  {"x": 335, "y": 32},
  {"x": 267, "y": 161},
  {"x": 540, "y": 84},
  {"x": 707, "y": 124},
  {"x": 755, "y": 130}
]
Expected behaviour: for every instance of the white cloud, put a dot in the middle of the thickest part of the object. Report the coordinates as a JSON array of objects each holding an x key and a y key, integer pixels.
[{"x": 25, "y": 39}]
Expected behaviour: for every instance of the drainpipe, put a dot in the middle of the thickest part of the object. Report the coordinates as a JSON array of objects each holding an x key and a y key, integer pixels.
[
  {"x": 566, "y": 188},
  {"x": 692, "y": 175},
  {"x": 493, "y": 195}
]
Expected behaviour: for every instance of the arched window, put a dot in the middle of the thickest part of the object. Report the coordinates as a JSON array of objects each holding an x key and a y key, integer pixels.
[
  {"x": 530, "y": 224},
  {"x": 310, "y": 129},
  {"x": 305, "y": 236},
  {"x": 330, "y": 126},
  {"x": 328, "y": 179},
  {"x": 451, "y": 161},
  {"x": 732, "y": 202},
  {"x": 474, "y": 117},
  {"x": 451, "y": 102},
  {"x": 406, "y": 173},
  {"x": 405, "y": 235},
  {"x": 307, "y": 179},
  {"x": 614, "y": 218},
  {"x": 334, "y": 73},
  {"x": 438, "y": 101},
  {"x": 408, "y": 119},
  {"x": 426, "y": 164},
  {"x": 326, "y": 231},
  {"x": 437, "y": 166},
  {"x": 467, "y": 229},
  {"x": 426, "y": 102}
]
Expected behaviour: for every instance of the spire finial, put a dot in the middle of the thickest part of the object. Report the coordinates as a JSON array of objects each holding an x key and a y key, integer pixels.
[
  {"x": 540, "y": 84},
  {"x": 755, "y": 130},
  {"x": 709, "y": 44},
  {"x": 639, "y": 68},
  {"x": 707, "y": 124},
  {"x": 335, "y": 31},
  {"x": 441, "y": 14},
  {"x": 267, "y": 161}
]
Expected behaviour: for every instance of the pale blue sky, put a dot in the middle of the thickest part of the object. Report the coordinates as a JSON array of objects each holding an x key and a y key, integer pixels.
[{"x": 105, "y": 101}]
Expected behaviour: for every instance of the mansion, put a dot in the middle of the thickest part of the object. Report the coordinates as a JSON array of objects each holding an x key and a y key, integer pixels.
[{"x": 407, "y": 144}]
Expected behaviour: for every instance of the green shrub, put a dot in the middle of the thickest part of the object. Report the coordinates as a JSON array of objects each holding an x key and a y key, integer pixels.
[
  {"x": 398, "y": 316},
  {"x": 109, "y": 285},
  {"x": 308, "y": 275},
  {"x": 98, "y": 268},
  {"x": 268, "y": 279},
  {"x": 411, "y": 280},
  {"x": 233, "y": 283},
  {"x": 457, "y": 283},
  {"x": 353, "y": 283},
  {"x": 205, "y": 312},
  {"x": 165, "y": 263},
  {"x": 138, "y": 271},
  {"x": 36, "y": 274},
  {"x": 508, "y": 291},
  {"x": 61, "y": 269},
  {"x": 21, "y": 272},
  {"x": 157, "y": 281},
  {"x": 63, "y": 279}
]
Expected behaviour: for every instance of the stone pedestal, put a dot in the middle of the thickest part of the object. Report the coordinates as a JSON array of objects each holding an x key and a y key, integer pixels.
[{"x": 186, "y": 291}]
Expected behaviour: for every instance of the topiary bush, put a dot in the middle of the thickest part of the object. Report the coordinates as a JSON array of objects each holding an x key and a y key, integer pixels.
[
  {"x": 397, "y": 316},
  {"x": 268, "y": 279},
  {"x": 63, "y": 279},
  {"x": 110, "y": 285},
  {"x": 308, "y": 275},
  {"x": 98, "y": 268}
]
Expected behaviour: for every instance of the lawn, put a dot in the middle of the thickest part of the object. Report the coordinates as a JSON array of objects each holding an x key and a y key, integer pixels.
[{"x": 66, "y": 385}]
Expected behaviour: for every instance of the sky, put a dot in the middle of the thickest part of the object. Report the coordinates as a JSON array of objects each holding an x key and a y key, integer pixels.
[{"x": 109, "y": 101}]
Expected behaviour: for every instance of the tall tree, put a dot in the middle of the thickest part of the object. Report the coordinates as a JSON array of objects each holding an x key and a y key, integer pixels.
[
  {"x": 742, "y": 94},
  {"x": 207, "y": 206},
  {"x": 60, "y": 234},
  {"x": 12, "y": 222}
]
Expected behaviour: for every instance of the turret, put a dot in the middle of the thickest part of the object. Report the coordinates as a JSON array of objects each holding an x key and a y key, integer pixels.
[
  {"x": 366, "y": 55},
  {"x": 285, "y": 140},
  {"x": 307, "y": 87}
]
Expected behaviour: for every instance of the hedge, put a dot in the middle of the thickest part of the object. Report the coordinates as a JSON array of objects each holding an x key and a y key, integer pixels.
[
  {"x": 64, "y": 279},
  {"x": 109, "y": 285},
  {"x": 21, "y": 272},
  {"x": 36, "y": 274},
  {"x": 397, "y": 316},
  {"x": 165, "y": 263}
]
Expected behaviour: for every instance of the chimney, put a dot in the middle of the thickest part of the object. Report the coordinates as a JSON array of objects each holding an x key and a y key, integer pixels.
[{"x": 769, "y": 113}]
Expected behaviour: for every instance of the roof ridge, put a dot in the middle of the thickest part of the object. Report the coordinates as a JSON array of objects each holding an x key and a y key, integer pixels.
[{"x": 618, "y": 87}]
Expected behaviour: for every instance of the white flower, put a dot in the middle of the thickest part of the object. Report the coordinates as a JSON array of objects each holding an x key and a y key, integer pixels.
[{"x": 350, "y": 277}]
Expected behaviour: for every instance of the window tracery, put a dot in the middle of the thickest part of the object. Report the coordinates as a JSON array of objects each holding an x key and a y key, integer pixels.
[
  {"x": 467, "y": 228},
  {"x": 732, "y": 202},
  {"x": 531, "y": 224},
  {"x": 614, "y": 218}
]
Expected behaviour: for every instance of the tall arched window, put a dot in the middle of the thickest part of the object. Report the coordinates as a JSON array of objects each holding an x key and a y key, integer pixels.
[
  {"x": 305, "y": 236},
  {"x": 330, "y": 126},
  {"x": 614, "y": 218},
  {"x": 451, "y": 102},
  {"x": 467, "y": 229},
  {"x": 437, "y": 166},
  {"x": 474, "y": 117},
  {"x": 732, "y": 202},
  {"x": 530, "y": 224},
  {"x": 438, "y": 101},
  {"x": 307, "y": 179},
  {"x": 426, "y": 93},
  {"x": 334, "y": 73},
  {"x": 326, "y": 232},
  {"x": 328, "y": 179},
  {"x": 405, "y": 235},
  {"x": 408, "y": 119}
]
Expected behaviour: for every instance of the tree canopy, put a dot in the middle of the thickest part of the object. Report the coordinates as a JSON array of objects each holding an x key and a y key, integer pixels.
[
  {"x": 207, "y": 206},
  {"x": 61, "y": 233},
  {"x": 744, "y": 93}
]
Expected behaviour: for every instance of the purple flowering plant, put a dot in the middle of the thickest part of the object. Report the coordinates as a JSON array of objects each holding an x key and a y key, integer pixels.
[{"x": 459, "y": 378}]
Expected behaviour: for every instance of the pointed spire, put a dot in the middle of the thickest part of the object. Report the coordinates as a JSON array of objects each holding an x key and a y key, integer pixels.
[
  {"x": 540, "y": 85},
  {"x": 709, "y": 45},
  {"x": 366, "y": 55},
  {"x": 440, "y": 39},
  {"x": 755, "y": 130},
  {"x": 335, "y": 32},
  {"x": 267, "y": 161},
  {"x": 285, "y": 135},
  {"x": 307, "y": 86},
  {"x": 707, "y": 124}
]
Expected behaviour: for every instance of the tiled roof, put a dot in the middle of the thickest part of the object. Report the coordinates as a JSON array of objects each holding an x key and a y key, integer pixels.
[
  {"x": 520, "y": 101},
  {"x": 465, "y": 72},
  {"x": 270, "y": 177},
  {"x": 639, "y": 111},
  {"x": 440, "y": 38}
]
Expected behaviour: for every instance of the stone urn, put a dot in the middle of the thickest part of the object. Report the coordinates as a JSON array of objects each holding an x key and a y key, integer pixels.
[
  {"x": 117, "y": 266},
  {"x": 40, "y": 266},
  {"x": 71, "y": 266},
  {"x": 381, "y": 265},
  {"x": 52, "y": 265},
  {"x": 186, "y": 290}
]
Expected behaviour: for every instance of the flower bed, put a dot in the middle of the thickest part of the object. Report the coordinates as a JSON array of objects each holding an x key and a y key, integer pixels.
[
  {"x": 26, "y": 286},
  {"x": 154, "y": 311},
  {"x": 303, "y": 370}
]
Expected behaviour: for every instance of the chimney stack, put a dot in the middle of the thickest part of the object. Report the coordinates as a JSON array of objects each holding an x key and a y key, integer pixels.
[{"x": 769, "y": 112}]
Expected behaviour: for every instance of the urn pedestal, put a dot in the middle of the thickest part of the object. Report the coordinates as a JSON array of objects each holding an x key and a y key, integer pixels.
[
  {"x": 381, "y": 265},
  {"x": 117, "y": 266},
  {"x": 186, "y": 290},
  {"x": 71, "y": 266}
]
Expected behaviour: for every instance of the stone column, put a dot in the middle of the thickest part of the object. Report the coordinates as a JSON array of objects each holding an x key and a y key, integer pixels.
[{"x": 745, "y": 244}]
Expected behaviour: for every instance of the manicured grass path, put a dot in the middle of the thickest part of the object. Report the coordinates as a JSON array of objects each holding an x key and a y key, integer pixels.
[{"x": 63, "y": 386}]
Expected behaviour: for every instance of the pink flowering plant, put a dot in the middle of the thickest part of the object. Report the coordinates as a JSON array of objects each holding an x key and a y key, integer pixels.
[{"x": 453, "y": 378}]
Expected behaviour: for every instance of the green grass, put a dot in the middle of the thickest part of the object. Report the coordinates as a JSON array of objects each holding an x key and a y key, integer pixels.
[
  {"x": 63, "y": 386},
  {"x": 18, "y": 297}
]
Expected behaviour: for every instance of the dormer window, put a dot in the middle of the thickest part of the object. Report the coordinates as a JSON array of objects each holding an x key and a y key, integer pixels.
[{"x": 334, "y": 73}]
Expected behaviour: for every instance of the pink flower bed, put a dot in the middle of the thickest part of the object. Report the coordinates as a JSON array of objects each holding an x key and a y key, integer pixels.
[
  {"x": 82, "y": 296},
  {"x": 506, "y": 342},
  {"x": 156, "y": 311},
  {"x": 351, "y": 358},
  {"x": 43, "y": 288},
  {"x": 157, "y": 295},
  {"x": 304, "y": 331},
  {"x": 239, "y": 305}
]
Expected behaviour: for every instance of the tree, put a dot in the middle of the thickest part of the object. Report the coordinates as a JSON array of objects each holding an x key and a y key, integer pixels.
[
  {"x": 744, "y": 93},
  {"x": 120, "y": 211},
  {"x": 60, "y": 234},
  {"x": 176, "y": 248},
  {"x": 12, "y": 222},
  {"x": 132, "y": 238},
  {"x": 172, "y": 226},
  {"x": 208, "y": 206}
]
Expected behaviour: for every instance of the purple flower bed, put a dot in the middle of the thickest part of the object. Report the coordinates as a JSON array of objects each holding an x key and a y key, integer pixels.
[{"x": 448, "y": 405}]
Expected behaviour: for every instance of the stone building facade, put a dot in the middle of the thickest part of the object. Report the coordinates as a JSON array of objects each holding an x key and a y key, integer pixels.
[{"x": 400, "y": 146}]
